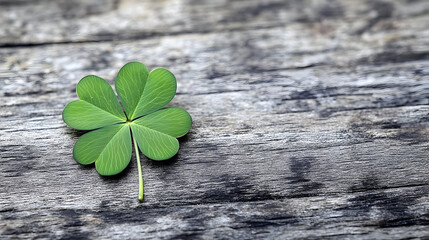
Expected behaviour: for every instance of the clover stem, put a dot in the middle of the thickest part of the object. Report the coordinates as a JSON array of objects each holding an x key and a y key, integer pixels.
[{"x": 140, "y": 170}]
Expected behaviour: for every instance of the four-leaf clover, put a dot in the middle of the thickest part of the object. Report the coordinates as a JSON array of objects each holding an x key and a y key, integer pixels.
[{"x": 152, "y": 129}]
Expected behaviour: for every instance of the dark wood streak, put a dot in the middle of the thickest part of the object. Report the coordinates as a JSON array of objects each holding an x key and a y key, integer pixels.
[{"x": 311, "y": 119}]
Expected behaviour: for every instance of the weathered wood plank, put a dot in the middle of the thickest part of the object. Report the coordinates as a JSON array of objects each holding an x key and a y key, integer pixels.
[
  {"x": 304, "y": 130},
  {"x": 41, "y": 22},
  {"x": 368, "y": 215}
]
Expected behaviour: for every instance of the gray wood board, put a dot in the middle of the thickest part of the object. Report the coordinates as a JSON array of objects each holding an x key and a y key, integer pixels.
[
  {"x": 308, "y": 123},
  {"x": 64, "y": 21}
]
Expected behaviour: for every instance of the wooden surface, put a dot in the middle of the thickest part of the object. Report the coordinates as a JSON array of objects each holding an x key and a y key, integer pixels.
[{"x": 311, "y": 119}]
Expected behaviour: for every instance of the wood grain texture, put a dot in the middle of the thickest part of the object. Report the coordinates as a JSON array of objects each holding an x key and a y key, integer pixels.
[{"x": 311, "y": 119}]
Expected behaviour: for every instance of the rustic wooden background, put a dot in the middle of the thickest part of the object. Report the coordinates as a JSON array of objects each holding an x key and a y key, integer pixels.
[{"x": 311, "y": 119}]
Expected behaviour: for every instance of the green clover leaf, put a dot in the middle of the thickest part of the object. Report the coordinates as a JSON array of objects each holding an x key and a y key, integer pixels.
[{"x": 152, "y": 129}]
